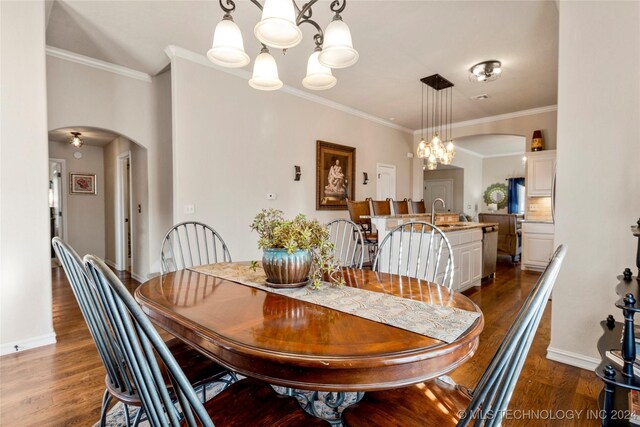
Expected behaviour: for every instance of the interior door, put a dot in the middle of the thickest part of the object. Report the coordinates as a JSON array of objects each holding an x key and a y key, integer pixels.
[
  {"x": 386, "y": 182},
  {"x": 439, "y": 188}
]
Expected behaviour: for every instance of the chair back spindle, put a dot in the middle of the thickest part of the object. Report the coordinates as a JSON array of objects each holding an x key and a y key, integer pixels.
[
  {"x": 96, "y": 318},
  {"x": 348, "y": 242},
  {"x": 141, "y": 343},
  {"x": 417, "y": 249},
  {"x": 493, "y": 392},
  {"x": 190, "y": 244}
]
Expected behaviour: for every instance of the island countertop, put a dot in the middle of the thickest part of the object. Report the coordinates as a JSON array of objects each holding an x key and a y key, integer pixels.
[{"x": 392, "y": 221}]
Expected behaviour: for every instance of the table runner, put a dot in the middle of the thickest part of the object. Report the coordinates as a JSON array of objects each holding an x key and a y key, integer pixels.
[{"x": 432, "y": 320}]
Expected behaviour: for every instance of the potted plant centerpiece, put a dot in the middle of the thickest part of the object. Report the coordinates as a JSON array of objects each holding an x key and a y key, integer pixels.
[{"x": 295, "y": 251}]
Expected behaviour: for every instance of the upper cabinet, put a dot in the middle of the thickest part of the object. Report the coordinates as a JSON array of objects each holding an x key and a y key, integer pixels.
[{"x": 541, "y": 168}]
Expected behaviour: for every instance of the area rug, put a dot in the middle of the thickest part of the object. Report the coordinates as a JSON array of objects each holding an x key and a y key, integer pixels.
[{"x": 115, "y": 416}]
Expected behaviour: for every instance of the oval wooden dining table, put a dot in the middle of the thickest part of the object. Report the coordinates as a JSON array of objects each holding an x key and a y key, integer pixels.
[{"x": 296, "y": 344}]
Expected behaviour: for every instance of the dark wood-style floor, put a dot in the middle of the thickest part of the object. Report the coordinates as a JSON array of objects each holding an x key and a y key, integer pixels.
[{"x": 62, "y": 384}]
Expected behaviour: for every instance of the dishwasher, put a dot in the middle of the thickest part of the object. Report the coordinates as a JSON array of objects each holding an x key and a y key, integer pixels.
[{"x": 489, "y": 250}]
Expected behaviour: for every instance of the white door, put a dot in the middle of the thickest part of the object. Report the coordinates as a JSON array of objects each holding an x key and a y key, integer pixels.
[
  {"x": 439, "y": 189},
  {"x": 386, "y": 182}
]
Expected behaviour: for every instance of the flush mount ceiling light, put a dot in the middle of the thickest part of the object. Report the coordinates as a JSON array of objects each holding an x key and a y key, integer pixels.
[
  {"x": 486, "y": 71},
  {"x": 440, "y": 148},
  {"x": 279, "y": 28},
  {"x": 75, "y": 140}
]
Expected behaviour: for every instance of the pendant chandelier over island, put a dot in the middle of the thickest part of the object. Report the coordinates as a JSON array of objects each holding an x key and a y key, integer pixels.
[
  {"x": 440, "y": 148},
  {"x": 279, "y": 28}
]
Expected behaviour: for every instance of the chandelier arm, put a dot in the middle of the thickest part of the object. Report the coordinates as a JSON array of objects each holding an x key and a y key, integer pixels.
[
  {"x": 319, "y": 37},
  {"x": 336, "y": 7},
  {"x": 306, "y": 12},
  {"x": 230, "y": 7},
  {"x": 257, "y": 3}
]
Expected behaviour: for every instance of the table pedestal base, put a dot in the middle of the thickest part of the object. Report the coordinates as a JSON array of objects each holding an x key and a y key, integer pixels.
[{"x": 325, "y": 405}]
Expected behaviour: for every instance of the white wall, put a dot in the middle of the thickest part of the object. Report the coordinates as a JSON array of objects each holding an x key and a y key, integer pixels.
[
  {"x": 139, "y": 110},
  {"x": 497, "y": 170},
  {"x": 25, "y": 266},
  {"x": 598, "y": 195},
  {"x": 85, "y": 212},
  {"x": 232, "y": 145}
]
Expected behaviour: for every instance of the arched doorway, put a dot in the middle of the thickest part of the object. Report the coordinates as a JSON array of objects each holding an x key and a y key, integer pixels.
[{"x": 106, "y": 218}]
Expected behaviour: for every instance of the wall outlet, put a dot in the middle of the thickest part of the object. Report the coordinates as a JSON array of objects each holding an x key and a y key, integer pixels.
[
  {"x": 189, "y": 209},
  {"x": 272, "y": 196},
  {"x": 533, "y": 208}
]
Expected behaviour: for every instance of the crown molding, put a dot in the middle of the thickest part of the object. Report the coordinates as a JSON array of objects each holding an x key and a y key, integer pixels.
[
  {"x": 491, "y": 156},
  {"x": 497, "y": 118},
  {"x": 175, "y": 51},
  {"x": 97, "y": 63}
]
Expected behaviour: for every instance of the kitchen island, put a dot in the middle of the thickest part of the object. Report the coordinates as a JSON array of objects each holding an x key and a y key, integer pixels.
[{"x": 465, "y": 239}]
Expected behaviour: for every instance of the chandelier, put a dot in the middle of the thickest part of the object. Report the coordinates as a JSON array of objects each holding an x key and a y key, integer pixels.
[
  {"x": 440, "y": 148},
  {"x": 75, "y": 140},
  {"x": 279, "y": 28},
  {"x": 486, "y": 71}
]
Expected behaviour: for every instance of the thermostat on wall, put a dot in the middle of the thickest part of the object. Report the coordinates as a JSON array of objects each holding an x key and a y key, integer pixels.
[{"x": 77, "y": 155}]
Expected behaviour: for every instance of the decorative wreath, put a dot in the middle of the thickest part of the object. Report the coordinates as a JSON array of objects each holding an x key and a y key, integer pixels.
[{"x": 498, "y": 194}]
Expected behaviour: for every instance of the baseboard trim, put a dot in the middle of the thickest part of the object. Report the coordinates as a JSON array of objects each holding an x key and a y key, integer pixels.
[
  {"x": 112, "y": 264},
  {"x": 138, "y": 278},
  {"x": 27, "y": 344},
  {"x": 573, "y": 359}
]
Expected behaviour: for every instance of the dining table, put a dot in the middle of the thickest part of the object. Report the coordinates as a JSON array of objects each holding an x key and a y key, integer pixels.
[{"x": 300, "y": 345}]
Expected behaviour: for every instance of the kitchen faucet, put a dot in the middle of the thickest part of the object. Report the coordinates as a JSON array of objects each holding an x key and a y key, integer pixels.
[{"x": 433, "y": 209}]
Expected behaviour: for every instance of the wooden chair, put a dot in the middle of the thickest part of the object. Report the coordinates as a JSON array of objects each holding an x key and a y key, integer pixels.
[
  {"x": 189, "y": 244},
  {"x": 348, "y": 242},
  {"x": 356, "y": 211},
  {"x": 440, "y": 403},
  {"x": 417, "y": 249},
  {"x": 381, "y": 207},
  {"x": 119, "y": 384},
  {"x": 244, "y": 403},
  {"x": 418, "y": 207},
  {"x": 400, "y": 207},
  {"x": 509, "y": 233}
]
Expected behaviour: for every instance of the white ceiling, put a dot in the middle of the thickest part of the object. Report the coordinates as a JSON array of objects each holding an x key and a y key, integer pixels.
[
  {"x": 493, "y": 145},
  {"x": 399, "y": 42},
  {"x": 91, "y": 136}
]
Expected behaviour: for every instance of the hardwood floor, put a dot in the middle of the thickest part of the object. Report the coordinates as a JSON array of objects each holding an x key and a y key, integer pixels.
[{"x": 62, "y": 384}]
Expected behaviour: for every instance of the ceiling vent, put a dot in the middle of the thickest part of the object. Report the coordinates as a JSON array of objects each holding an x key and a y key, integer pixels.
[{"x": 480, "y": 97}]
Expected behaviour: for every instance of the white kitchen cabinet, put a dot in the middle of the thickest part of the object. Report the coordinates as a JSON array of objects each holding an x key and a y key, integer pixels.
[
  {"x": 541, "y": 167},
  {"x": 537, "y": 245}
]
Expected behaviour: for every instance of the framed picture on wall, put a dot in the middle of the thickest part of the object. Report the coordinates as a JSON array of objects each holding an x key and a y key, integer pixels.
[
  {"x": 335, "y": 172},
  {"x": 82, "y": 183}
]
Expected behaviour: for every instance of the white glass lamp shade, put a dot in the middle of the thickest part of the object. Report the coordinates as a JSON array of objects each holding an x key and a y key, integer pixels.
[
  {"x": 337, "y": 50},
  {"x": 423, "y": 149},
  {"x": 436, "y": 142},
  {"x": 228, "y": 47},
  {"x": 318, "y": 76},
  {"x": 278, "y": 28},
  {"x": 265, "y": 73}
]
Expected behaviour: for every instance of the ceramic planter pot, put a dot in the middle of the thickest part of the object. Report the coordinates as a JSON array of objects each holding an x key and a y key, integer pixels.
[{"x": 286, "y": 270}]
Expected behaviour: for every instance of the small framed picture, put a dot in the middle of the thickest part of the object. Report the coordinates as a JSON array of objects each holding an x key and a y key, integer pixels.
[{"x": 82, "y": 183}]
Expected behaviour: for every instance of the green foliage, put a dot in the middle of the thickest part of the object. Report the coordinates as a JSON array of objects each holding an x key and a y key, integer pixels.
[{"x": 300, "y": 233}]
